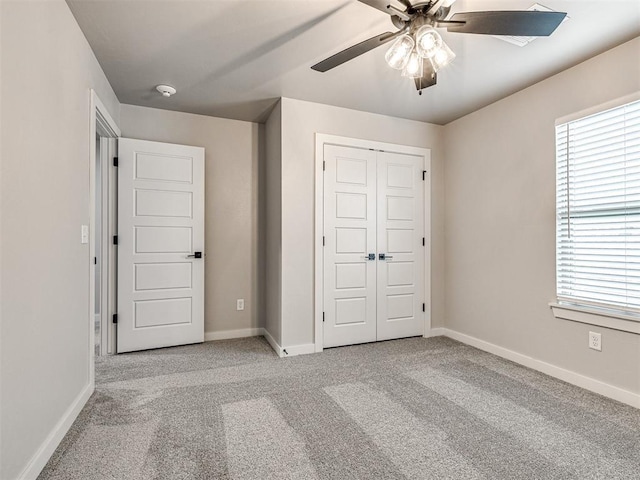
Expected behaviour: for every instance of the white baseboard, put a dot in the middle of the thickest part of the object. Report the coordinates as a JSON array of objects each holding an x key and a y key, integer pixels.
[
  {"x": 42, "y": 456},
  {"x": 298, "y": 350},
  {"x": 228, "y": 334},
  {"x": 568, "y": 376},
  {"x": 288, "y": 351},
  {"x": 435, "y": 332},
  {"x": 255, "y": 332},
  {"x": 276, "y": 348}
]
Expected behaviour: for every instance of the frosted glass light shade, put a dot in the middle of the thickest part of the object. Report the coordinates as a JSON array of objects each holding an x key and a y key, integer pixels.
[
  {"x": 413, "y": 68},
  {"x": 443, "y": 57},
  {"x": 428, "y": 41},
  {"x": 398, "y": 55}
]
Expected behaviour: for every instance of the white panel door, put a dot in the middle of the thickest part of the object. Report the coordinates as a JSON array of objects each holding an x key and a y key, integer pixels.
[
  {"x": 160, "y": 229},
  {"x": 400, "y": 281},
  {"x": 350, "y": 237},
  {"x": 373, "y": 257}
]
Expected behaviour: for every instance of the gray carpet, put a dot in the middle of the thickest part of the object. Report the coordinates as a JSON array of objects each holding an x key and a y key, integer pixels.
[{"x": 414, "y": 408}]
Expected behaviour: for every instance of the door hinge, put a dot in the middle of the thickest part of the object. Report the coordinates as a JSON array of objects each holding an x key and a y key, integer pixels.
[
  {"x": 424, "y": 175},
  {"x": 324, "y": 165},
  {"x": 115, "y": 318},
  {"x": 115, "y": 161},
  {"x": 323, "y": 316},
  {"x": 423, "y": 241},
  {"x": 323, "y": 241},
  {"x": 424, "y": 308},
  {"x": 115, "y": 239}
]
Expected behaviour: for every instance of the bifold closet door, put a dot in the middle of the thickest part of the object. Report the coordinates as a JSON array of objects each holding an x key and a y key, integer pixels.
[
  {"x": 400, "y": 229},
  {"x": 373, "y": 252},
  {"x": 350, "y": 237}
]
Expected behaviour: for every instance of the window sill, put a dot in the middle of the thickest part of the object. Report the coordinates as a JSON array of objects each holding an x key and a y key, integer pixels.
[{"x": 616, "y": 321}]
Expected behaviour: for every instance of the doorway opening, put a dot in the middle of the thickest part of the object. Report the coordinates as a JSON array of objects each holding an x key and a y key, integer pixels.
[
  {"x": 97, "y": 261},
  {"x": 102, "y": 256}
]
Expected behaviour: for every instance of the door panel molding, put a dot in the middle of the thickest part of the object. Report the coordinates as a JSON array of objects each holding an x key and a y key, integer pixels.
[
  {"x": 160, "y": 277},
  {"x": 349, "y": 212},
  {"x": 400, "y": 231},
  {"x": 398, "y": 178}
]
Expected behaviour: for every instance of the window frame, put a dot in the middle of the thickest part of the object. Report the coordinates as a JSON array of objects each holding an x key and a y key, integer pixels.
[{"x": 574, "y": 310}]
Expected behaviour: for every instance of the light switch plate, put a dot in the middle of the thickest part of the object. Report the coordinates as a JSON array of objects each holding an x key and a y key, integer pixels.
[
  {"x": 84, "y": 234},
  {"x": 240, "y": 304}
]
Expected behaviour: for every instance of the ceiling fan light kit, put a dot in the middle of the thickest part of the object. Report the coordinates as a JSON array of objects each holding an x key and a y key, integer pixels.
[
  {"x": 398, "y": 55},
  {"x": 419, "y": 51},
  {"x": 428, "y": 41},
  {"x": 443, "y": 57},
  {"x": 426, "y": 45},
  {"x": 413, "y": 67}
]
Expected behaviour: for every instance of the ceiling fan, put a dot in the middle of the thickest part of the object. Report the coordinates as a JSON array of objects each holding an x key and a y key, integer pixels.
[{"x": 419, "y": 51}]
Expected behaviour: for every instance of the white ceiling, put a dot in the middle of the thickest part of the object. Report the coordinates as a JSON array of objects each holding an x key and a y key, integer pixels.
[{"x": 233, "y": 58}]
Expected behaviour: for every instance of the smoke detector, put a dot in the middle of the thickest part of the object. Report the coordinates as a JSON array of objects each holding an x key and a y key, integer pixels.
[{"x": 166, "y": 90}]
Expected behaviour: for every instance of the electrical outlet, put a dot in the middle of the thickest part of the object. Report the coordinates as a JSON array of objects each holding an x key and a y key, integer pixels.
[
  {"x": 240, "y": 304},
  {"x": 595, "y": 341}
]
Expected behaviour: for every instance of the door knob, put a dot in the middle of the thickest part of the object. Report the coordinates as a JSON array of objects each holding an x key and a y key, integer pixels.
[
  {"x": 371, "y": 256},
  {"x": 195, "y": 255},
  {"x": 384, "y": 256}
]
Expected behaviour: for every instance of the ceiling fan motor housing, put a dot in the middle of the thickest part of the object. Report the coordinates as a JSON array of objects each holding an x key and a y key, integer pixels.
[{"x": 420, "y": 17}]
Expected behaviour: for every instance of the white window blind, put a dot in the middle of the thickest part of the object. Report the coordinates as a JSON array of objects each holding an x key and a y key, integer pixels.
[{"x": 598, "y": 209}]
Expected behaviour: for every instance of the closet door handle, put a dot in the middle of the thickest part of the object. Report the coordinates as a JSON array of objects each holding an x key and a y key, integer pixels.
[
  {"x": 371, "y": 256},
  {"x": 195, "y": 255},
  {"x": 384, "y": 256}
]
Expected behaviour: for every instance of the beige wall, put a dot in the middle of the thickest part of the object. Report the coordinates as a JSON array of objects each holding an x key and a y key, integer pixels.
[
  {"x": 273, "y": 225},
  {"x": 47, "y": 71},
  {"x": 1, "y": 231},
  {"x": 231, "y": 205},
  {"x": 500, "y": 222},
  {"x": 300, "y": 122}
]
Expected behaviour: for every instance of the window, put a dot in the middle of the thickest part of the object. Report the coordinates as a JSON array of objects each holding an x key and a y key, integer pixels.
[{"x": 598, "y": 210}]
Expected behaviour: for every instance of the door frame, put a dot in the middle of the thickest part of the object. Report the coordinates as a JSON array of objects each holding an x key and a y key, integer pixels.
[
  {"x": 101, "y": 124},
  {"x": 325, "y": 139}
]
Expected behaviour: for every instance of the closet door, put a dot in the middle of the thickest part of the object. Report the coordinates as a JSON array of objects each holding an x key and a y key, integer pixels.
[
  {"x": 400, "y": 275},
  {"x": 350, "y": 239}
]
